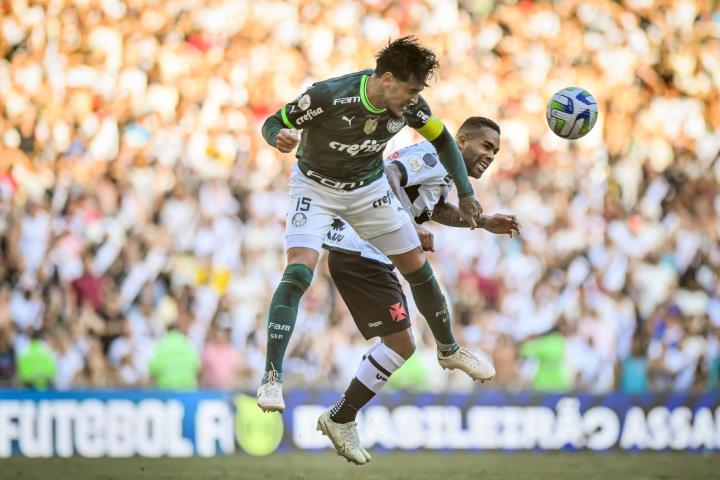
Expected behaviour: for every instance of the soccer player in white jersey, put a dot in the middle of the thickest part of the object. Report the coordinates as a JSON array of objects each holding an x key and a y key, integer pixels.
[
  {"x": 346, "y": 122},
  {"x": 366, "y": 280}
]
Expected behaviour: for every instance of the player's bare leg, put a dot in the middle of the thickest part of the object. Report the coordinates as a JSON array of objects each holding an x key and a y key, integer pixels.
[
  {"x": 431, "y": 303},
  {"x": 281, "y": 322}
]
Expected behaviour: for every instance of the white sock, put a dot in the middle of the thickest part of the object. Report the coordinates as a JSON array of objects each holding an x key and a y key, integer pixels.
[{"x": 378, "y": 364}]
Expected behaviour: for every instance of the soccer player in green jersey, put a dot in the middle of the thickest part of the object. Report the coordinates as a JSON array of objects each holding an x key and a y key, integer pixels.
[{"x": 346, "y": 123}]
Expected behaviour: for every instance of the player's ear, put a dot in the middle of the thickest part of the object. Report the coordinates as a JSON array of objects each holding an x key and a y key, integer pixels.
[
  {"x": 461, "y": 140},
  {"x": 387, "y": 78}
]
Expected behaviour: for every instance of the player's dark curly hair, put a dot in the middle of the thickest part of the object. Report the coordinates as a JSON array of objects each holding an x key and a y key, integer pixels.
[
  {"x": 474, "y": 124},
  {"x": 405, "y": 58}
]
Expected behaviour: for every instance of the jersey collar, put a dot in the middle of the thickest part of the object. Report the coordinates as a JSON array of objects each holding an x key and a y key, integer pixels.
[{"x": 364, "y": 98}]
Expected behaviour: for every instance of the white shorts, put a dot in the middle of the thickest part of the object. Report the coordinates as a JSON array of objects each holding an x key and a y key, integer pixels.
[{"x": 372, "y": 211}]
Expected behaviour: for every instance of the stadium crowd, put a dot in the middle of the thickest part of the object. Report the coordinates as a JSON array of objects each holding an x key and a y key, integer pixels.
[{"x": 140, "y": 206}]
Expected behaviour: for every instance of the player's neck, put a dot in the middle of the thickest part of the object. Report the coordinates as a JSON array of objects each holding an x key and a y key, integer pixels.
[{"x": 374, "y": 92}]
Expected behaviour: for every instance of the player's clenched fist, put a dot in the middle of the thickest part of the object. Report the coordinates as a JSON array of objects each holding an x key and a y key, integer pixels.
[
  {"x": 469, "y": 210},
  {"x": 287, "y": 140},
  {"x": 427, "y": 240}
]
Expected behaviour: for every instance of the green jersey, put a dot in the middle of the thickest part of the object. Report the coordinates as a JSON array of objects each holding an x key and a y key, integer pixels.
[{"x": 344, "y": 135}]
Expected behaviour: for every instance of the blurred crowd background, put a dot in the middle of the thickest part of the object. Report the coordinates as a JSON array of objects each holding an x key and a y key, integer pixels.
[{"x": 142, "y": 214}]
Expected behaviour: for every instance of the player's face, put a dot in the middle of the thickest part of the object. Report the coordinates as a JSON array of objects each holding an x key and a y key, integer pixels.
[
  {"x": 400, "y": 94},
  {"x": 479, "y": 150}
]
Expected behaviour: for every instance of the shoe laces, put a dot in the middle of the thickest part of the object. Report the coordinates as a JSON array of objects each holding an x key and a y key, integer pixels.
[
  {"x": 273, "y": 386},
  {"x": 467, "y": 357},
  {"x": 350, "y": 434}
]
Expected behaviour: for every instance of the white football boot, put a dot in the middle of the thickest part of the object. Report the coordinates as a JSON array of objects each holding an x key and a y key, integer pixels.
[
  {"x": 475, "y": 366},
  {"x": 345, "y": 439},
  {"x": 269, "y": 395}
]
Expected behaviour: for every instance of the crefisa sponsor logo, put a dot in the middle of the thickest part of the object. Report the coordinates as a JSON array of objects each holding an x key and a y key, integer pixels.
[
  {"x": 309, "y": 115},
  {"x": 384, "y": 200},
  {"x": 355, "y": 148}
]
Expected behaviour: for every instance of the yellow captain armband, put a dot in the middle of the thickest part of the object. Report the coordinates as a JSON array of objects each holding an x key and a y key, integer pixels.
[{"x": 432, "y": 129}]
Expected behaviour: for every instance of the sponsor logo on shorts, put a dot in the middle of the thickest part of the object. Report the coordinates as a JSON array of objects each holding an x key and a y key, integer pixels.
[
  {"x": 309, "y": 115},
  {"x": 335, "y": 237},
  {"x": 394, "y": 125},
  {"x": 374, "y": 324},
  {"x": 380, "y": 377},
  {"x": 345, "y": 100},
  {"x": 299, "y": 219},
  {"x": 355, "y": 148},
  {"x": 384, "y": 200},
  {"x": 328, "y": 182},
  {"x": 397, "y": 312}
]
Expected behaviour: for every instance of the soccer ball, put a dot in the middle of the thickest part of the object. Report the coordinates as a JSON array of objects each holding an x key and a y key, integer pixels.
[{"x": 571, "y": 113}]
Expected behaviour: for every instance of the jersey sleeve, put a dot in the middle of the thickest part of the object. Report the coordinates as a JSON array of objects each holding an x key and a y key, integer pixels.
[
  {"x": 420, "y": 117},
  {"x": 433, "y": 130},
  {"x": 308, "y": 108},
  {"x": 419, "y": 167},
  {"x": 302, "y": 112}
]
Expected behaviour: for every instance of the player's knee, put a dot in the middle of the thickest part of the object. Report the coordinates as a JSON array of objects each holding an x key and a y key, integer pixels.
[
  {"x": 401, "y": 343},
  {"x": 409, "y": 262},
  {"x": 296, "y": 279},
  {"x": 303, "y": 256}
]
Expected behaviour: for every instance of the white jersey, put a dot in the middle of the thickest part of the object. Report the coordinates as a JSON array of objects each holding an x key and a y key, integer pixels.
[{"x": 426, "y": 183}]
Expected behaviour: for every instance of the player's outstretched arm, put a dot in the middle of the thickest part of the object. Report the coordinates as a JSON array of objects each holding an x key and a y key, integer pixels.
[
  {"x": 449, "y": 215},
  {"x": 499, "y": 224}
]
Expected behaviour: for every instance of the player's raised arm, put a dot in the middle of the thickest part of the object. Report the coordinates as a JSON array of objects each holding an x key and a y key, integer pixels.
[
  {"x": 281, "y": 129},
  {"x": 432, "y": 129}
]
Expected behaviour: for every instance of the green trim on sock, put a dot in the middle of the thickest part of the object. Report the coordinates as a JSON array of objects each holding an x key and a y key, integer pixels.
[{"x": 424, "y": 275}]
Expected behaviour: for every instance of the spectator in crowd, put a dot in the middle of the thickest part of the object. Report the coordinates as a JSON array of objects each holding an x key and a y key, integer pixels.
[
  {"x": 175, "y": 364},
  {"x": 221, "y": 363},
  {"x": 549, "y": 351},
  {"x": 7, "y": 358},
  {"x": 634, "y": 369},
  {"x": 36, "y": 365}
]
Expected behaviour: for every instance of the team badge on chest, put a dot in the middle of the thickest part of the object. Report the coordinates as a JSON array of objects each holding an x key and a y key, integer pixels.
[
  {"x": 394, "y": 125},
  {"x": 370, "y": 126}
]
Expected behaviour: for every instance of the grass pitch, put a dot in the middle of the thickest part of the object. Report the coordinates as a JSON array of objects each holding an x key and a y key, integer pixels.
[{"x": 394, "y": 466}]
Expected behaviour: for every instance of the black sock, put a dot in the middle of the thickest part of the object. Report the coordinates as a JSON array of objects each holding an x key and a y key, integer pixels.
[{"x": 354, "y": 398}]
